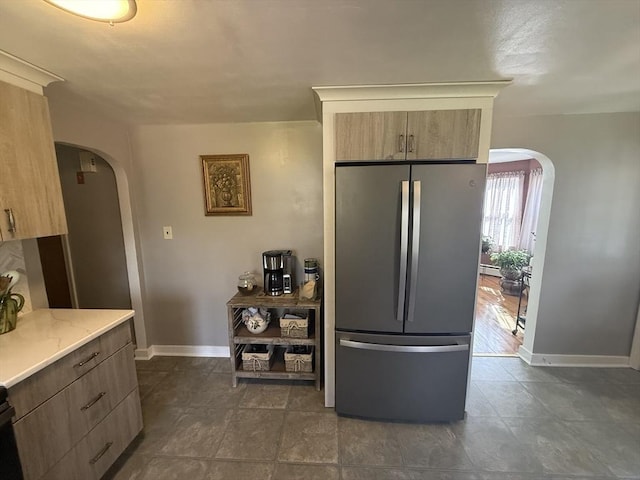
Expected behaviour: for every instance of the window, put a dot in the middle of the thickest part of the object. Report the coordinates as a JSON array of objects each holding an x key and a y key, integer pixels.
[{"x": 503, "y": 209}]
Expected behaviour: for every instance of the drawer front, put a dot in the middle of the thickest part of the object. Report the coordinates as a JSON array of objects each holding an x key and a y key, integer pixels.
[
  {"x": 93, "y": 396},
  {"x": 38, "y": 388},
  {"x": 52, "y": 429},
  {"x": 95, "y": 453},
  {"x": 387, "y": 377}
]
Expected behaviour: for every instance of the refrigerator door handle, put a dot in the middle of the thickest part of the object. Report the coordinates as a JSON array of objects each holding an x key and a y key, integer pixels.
[
  {"x": 458, "y": 347},
  {"x": 404, "y": 250},
  {"x": 415, "y": 249}
]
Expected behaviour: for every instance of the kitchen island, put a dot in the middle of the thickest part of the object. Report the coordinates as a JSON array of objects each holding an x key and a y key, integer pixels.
[
  {"x": 44, "y": 336},
  {"x": 72, "y": 381}
]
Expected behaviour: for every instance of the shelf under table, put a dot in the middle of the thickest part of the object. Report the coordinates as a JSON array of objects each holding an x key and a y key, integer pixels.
[
  {"x": 270, "y": 336},
  {"x": 277, "y": 371}
]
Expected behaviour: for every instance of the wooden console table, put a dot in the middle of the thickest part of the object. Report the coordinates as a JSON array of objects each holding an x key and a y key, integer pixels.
[{"x": 239, "y": 335}]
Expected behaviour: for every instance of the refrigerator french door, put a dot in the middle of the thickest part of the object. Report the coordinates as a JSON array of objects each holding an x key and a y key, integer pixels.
[{"x": 407, "y": 248}]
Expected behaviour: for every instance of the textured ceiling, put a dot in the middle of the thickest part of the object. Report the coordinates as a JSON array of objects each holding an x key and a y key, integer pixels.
[{"x": 201, "y": 61}]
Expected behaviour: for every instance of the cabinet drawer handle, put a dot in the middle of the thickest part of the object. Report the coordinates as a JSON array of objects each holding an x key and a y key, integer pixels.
[
  {"x": 11, "y": 219},
  {"x": 100, "y": 453},
  {"x": 401, "y": 143},
  {"x": 411, "y": 144},
  {"x": 87, "y": 360},
  {"x": 93, "y": 402}
]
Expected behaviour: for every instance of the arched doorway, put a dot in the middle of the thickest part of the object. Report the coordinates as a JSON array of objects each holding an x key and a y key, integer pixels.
[
  {"x": 539, "y": 248},
  {"x": 121, "y": 223},
  {"x": 96, "y": 260}
]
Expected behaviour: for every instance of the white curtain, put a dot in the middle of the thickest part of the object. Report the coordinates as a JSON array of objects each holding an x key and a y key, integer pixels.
[
  {"x": 531, "y": 211},
  {"x": 502, "y": 209}
]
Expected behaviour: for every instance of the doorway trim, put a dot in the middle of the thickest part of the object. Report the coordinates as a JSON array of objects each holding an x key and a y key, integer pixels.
[
  {"x": 537, "y": 262},
  {"x": 128, "y": 233}
]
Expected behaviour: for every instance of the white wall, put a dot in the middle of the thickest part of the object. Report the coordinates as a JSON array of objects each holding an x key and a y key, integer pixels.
[
  {"x": 190, "y": 278},
  {"x": 591, "y": 285}
]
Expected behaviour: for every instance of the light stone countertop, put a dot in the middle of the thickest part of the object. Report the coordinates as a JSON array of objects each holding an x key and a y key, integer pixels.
[{"x": 43, "y": 336}]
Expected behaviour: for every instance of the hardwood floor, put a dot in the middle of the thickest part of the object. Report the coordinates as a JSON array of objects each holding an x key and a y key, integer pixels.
[{"x": 495, "y": 319}]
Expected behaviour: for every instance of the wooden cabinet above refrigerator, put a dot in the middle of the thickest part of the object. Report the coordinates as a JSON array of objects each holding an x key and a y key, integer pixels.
[
  {"x": 414, "y": 135},
  {"x": 31, "y": 202}
]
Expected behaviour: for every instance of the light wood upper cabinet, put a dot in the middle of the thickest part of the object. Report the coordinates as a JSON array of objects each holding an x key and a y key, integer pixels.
[
  {"x": 29, "y": 183},
  {"x": 443, "y": 134},
  {"x": 370, "y": 136},
  {"x": 415, "y": 135}
]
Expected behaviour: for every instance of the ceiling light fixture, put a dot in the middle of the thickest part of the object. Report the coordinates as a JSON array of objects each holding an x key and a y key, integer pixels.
[{"x": 110, "y": 11}]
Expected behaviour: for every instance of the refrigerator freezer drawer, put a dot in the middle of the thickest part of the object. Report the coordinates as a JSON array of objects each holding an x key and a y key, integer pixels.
[{"x": 421, "y": 379}]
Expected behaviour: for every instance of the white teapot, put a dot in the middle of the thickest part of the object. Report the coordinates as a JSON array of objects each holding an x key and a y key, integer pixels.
[{"x": 256, "y": 319}]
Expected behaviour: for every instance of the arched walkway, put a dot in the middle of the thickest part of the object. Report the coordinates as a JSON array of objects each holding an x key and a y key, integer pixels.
[
  {"x": 131, "y": 253},
  {"x": 542, "y": 230}
]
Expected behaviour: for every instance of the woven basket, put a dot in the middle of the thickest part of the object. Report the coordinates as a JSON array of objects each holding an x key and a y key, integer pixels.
[
  {"x": 257, "y": 361},
  {"x": 294, "y": 327},
  {"x": 298, "y": 362}
]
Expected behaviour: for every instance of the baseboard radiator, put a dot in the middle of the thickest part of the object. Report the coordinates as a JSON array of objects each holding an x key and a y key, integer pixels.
[{"x": 490, "y": 270}]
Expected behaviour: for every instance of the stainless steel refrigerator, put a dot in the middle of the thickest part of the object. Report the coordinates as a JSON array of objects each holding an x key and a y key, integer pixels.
[{"x": 407, "y": 250}]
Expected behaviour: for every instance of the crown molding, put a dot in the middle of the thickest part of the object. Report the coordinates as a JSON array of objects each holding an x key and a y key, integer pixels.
[
  {"x": 23, "y": 74},
  {"x": 409, "y": 91}
]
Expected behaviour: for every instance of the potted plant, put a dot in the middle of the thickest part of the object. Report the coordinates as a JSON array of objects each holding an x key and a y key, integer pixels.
[
  {"x": 511, "y": 263},
  {"x": 485, "y": 251},
  {"x": 10, "y": 303},
  {"x": 487, "y": 244}
]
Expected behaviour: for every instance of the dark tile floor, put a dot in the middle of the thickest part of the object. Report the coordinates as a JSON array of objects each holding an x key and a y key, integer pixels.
[{"x": 523, "y": 423}]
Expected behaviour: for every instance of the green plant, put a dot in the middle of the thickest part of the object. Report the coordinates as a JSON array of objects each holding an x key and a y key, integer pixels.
[
  {"x": 487, "y": 243},
  {"x": 7, "y": 281},
  {"x": 511, "y": 260},
  {"x": 10, "y": 303}
]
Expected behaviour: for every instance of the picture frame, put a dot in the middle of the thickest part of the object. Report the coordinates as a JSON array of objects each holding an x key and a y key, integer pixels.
[{"x": 227, "y": 185}]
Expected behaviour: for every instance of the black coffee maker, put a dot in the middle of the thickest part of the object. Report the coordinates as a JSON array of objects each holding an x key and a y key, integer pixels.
[{"x": 273, "y": 264}]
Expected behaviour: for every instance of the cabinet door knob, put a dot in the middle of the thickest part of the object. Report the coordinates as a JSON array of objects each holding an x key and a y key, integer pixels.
[
  {"x": 401, "y": 143},
  {"x": 11, "y": 219}
]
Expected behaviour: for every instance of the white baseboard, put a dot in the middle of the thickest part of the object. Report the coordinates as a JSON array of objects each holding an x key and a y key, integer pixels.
[
  {"x": 490, "y": 270},
  {"x": 525, "y": 354},
  {"x": 553, "y": 360},
  {"x": 181, "y": 351},
  {"x": 142, "y": 354}
]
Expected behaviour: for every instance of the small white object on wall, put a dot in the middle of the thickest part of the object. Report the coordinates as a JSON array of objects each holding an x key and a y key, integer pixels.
[{"x": 88, "y": 162}]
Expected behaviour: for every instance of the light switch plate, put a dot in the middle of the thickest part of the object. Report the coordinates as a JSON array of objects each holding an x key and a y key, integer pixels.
[{"x": 167, "y": 233}]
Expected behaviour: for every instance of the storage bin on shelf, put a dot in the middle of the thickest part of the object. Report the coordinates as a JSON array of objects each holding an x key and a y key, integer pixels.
[
  {"x": 299, "y": 358},
  {"x": 294, "y": 324},
  {"x": 255, "y": 359}
]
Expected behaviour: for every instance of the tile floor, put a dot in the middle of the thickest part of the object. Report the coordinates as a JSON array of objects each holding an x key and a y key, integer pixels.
[{"x": 523, "y": 423}]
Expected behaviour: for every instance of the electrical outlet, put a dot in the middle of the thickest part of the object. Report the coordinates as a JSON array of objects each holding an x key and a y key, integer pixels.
[{"x": 167, "y": 233}]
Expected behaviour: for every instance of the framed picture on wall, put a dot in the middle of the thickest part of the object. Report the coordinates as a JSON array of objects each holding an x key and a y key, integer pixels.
[{"x": 227, "y": 186}]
